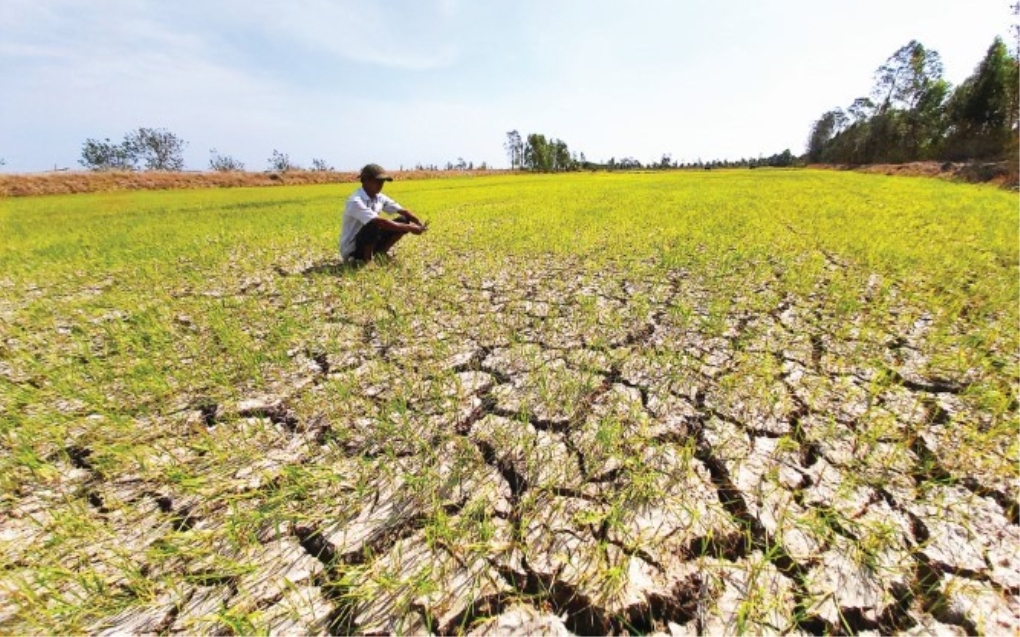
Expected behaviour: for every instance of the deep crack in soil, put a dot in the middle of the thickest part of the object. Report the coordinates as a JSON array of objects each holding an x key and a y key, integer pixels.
[{"x": 506, "y": 482}]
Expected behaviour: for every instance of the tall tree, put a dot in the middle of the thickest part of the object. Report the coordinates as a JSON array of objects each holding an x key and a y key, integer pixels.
[
  {"x": 1015, "y": 28},
  {"x": 926, "y": 122},
  {"x": 537, "y": 155},
  {"x": 560, "y": 156},
  {"x": 905, "y": 76},
  {"x": 825, "y": 129},
  {"x": 861, "y": 109},
  {"x": 983, "y": 110},
  {"x": 514, "y": 149}
]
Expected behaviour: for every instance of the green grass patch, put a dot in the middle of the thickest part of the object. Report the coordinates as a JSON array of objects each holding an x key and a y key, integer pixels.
[{"x": 134, "y": 325}]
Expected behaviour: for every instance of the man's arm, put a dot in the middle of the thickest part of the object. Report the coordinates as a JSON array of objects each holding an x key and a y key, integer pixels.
[
  {"x": 410, "y": 215},
  {"x": 385, "y": 224},
  {"x": 389, "y": 205}
]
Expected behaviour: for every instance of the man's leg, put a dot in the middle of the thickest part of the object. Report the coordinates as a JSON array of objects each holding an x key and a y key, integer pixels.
[
  {"x": 364, "y": 252},
  {"x": 366, "y": 242},
  {"x": 389, "y": 239}
]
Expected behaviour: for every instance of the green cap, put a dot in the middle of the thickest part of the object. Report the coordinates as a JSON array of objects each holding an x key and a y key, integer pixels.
[{"x": 374, "y": 171}]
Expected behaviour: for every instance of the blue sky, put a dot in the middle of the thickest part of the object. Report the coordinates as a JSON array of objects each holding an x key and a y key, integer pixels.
[{"x": 401, "y": 82}]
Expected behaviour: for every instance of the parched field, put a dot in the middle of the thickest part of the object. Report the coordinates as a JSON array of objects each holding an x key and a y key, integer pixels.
[{"x": 748, "y": 401}]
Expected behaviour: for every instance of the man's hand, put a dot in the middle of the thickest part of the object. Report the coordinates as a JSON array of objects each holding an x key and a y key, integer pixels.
[
  {"x": 410, "y": 216},
  {"x": 417, "y": 228}
]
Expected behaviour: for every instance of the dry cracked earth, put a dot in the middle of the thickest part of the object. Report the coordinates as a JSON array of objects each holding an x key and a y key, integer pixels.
[{"x": 577, "y": 454}]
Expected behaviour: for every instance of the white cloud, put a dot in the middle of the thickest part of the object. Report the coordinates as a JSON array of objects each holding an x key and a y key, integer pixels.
[
  {"x": 404, "y": 34},
  {"x": 100, "y": 70},
  {"x": 312, "y": 77}
]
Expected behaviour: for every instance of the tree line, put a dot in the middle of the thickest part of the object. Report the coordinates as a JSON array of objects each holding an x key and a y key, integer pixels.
[
  {"x": 540, "y": 154},
  {"x": 913, "y": 114},
  {"x": 160, "y": 149},
  {"x": 536, "y": 152}
]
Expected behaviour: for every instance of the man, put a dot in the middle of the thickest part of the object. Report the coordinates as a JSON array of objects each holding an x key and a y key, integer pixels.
[{"x": 365, "y": 234}]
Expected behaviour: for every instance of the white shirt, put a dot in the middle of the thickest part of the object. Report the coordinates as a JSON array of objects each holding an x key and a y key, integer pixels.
[{"x": 359, "y": 210}]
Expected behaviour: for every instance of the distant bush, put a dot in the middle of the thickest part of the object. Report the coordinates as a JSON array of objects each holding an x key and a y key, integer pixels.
[
  {"x": 280, "y": 162},
  {"x": 148, "y": 148},
  {"x": 224, "y": 163},
  {"x": 105, "y": 155}
]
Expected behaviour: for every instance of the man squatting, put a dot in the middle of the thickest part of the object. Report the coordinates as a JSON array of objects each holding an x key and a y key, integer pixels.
[{"x": 365, "y": 234}]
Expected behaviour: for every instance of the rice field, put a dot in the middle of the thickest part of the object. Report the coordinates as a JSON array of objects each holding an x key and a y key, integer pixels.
[{"x": 677, "y": 402}]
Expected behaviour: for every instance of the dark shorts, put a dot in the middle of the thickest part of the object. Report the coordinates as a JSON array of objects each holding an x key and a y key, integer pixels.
[{"x": 371, "y": 235}]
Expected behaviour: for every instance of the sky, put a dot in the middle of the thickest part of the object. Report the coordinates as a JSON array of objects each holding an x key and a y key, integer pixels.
[{"x": 406, "y": 82}]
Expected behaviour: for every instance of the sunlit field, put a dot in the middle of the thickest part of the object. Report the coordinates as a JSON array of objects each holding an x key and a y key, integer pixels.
[{"x": 690, "y": 402}]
